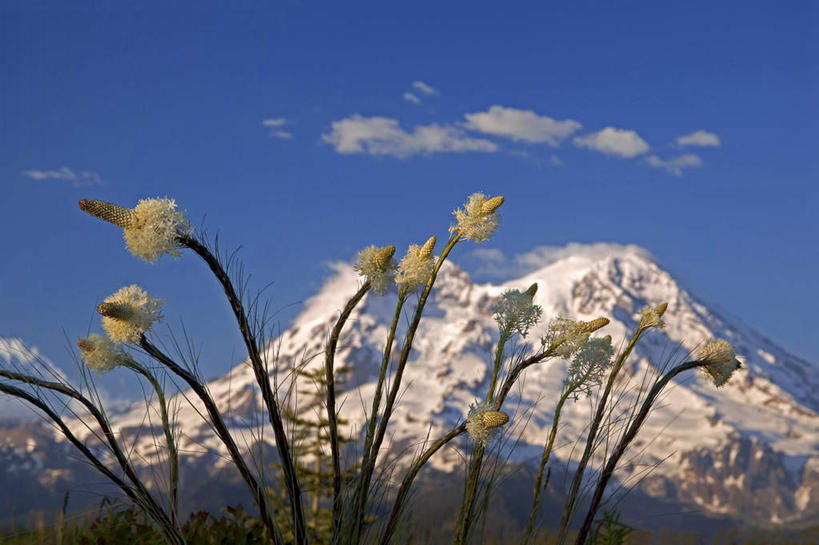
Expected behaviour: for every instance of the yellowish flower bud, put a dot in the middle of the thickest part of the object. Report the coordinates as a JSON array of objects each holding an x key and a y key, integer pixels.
[
  {"x": 111, "y": 213},
  {"x": 531, "y": 291},
  {"x": 491, "y": 205},
  {"x": 426, "y": 250},
  {"x": 115, "y": 310},
  {"x": 493, "y": 419},
  {"x": 129, "y": 313}
]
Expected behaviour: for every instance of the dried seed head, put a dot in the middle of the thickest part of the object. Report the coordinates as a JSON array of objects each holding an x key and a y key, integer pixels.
[
  {"x": 115, "y": 310},
  {"x": 426, "y": 250},
  {"x": 483, "y": 422},
  {"x": 531, "y": 291},
  {"x": 493, "y": 419},
  {"x": 595, "y": 324},
  {"x": 102, "y": 354},
  {"x": 112, "y": 213},
  {"x": 491, "y": 205}
]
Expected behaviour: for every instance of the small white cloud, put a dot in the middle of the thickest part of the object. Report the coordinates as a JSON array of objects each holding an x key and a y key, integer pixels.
[
  {"x": 556, "y": 160},
  {"x": 424, "y": 88},
  {"x": 675, "y": 165},
  {"x": 275, "y": 124},
  {"x": 699, "y": 138},
  {"x": 523, "y": 125},
  {"x": 384, "y": 136},
  {"x": 409, "y": 97},
  {"x": 82, "y": 178},
  {"x": 613, "y": 141}
]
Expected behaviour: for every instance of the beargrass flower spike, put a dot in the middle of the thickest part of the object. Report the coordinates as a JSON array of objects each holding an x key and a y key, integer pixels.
[
  {"x": 652, "y": 317},
  {"x": 483, "y": 421},
  {"x": 720, "y": 361},
  {"x": 590, "y": 365},
  {"x": 377, "y": 265},
  {"x": 515, "y": 311},
  {"x": 478, "y": 219},
  {"x": 102, "y": 354},
  {"x": 129, "y": 313},
  {"x": 151, "y": 229},
  {"x": 416, "y": 266}
]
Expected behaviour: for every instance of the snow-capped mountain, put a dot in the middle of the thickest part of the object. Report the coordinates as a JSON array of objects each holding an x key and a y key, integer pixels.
[{"x": 749, "y": 449}]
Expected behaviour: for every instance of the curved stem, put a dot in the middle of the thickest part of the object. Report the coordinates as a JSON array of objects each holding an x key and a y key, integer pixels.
[
  {"x": 409, "y": 478},
  {"x": 171, "y": 533},
  {"x": 221, "y": 431},
  {"x": 568, "y": 508},
  {"x": 173, "y": 453},
  {"x": 332, "y": 421},
  {"x": 627, "y": 438},
  {"x": 263, "y": 379}
]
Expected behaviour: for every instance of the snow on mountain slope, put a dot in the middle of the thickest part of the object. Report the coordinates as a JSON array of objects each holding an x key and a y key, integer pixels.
[{"x": 750, "y": 448}]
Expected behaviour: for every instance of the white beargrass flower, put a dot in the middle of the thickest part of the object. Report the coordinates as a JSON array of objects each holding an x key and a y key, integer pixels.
[
  {"x": 590, "y": 364},
  {"x": 151, "y": 228},
  {"x": 377, "y": 265},
  {"x": 102, "y": 354},
  {"x": 478, "y": 219},
  {"x": 129, "y": 313},
  {"x": 483, "y": 422},
  {"x": 652, "y": 317},
  {"x": 515, "y": 311},
  {"x": 155, "y": 226},
  {"x": 720, "y": 361},
  {"x": 416, "y": 266}
]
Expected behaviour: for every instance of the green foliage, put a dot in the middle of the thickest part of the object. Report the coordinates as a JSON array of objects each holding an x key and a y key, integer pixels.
[{"x": 610, "y": 531}]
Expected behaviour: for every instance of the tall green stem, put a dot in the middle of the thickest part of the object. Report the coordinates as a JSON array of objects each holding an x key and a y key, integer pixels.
[
  {"x": 396, "y": 383},
  {"x": 568, "y": 509}
]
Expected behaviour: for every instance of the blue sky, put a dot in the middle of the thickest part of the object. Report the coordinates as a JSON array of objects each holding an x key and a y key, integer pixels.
[{"x": 305, "y": 131}]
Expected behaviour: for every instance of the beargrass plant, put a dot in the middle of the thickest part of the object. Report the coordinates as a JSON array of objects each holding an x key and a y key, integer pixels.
[{"x": 344, "y": 496}]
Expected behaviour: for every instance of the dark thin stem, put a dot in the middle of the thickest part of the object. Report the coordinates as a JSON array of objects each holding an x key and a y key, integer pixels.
[
  {"x": 332, "y": 422},
  {"x": 172, "y": 534},
  {"x": 221, "y": 431},
  {"x": 468, "y": 505},
  {"x": 263, "y": 379},
  {"x": 409, "y": 478},
  {"x": 627, "y": 438},
  {"x": 104, "y": 425}
]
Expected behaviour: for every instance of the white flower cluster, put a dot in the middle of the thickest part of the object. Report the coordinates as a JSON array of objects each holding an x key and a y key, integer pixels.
[
  {"x": 129, "y": 313},
  {"x": 479, "y": 218},
  {"x": 720, "y": 361},
  {"x": 565, "y": 337},
  {"x": 416, "y": 266},
  {"x": 589, "y": 365},
  {"x": 483, "y": 422},
  {"x": 652, "y": 317},
  {"x": 153, "y": 229},
  {"x": 102, "y": 354},
  {"x": 377, "y": 265},
  {"x": 515, "y": 311}
]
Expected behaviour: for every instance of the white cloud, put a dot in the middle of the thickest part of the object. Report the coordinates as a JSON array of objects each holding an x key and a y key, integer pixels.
[
  {"x": 675, "y": 165},
  {"x": 613, "y": 141},
  {"x": 275, "y": 124},
  {"x": 495, "y": 265},
  {"x": 699, "y": 138},
  {"x": 384, "y": 136},
  {"x": 409, "y": 97},
  {"x": 424, "y": 88},
  {"x": 523, "y": 125},
  {"x": 82, "y": 178}
]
